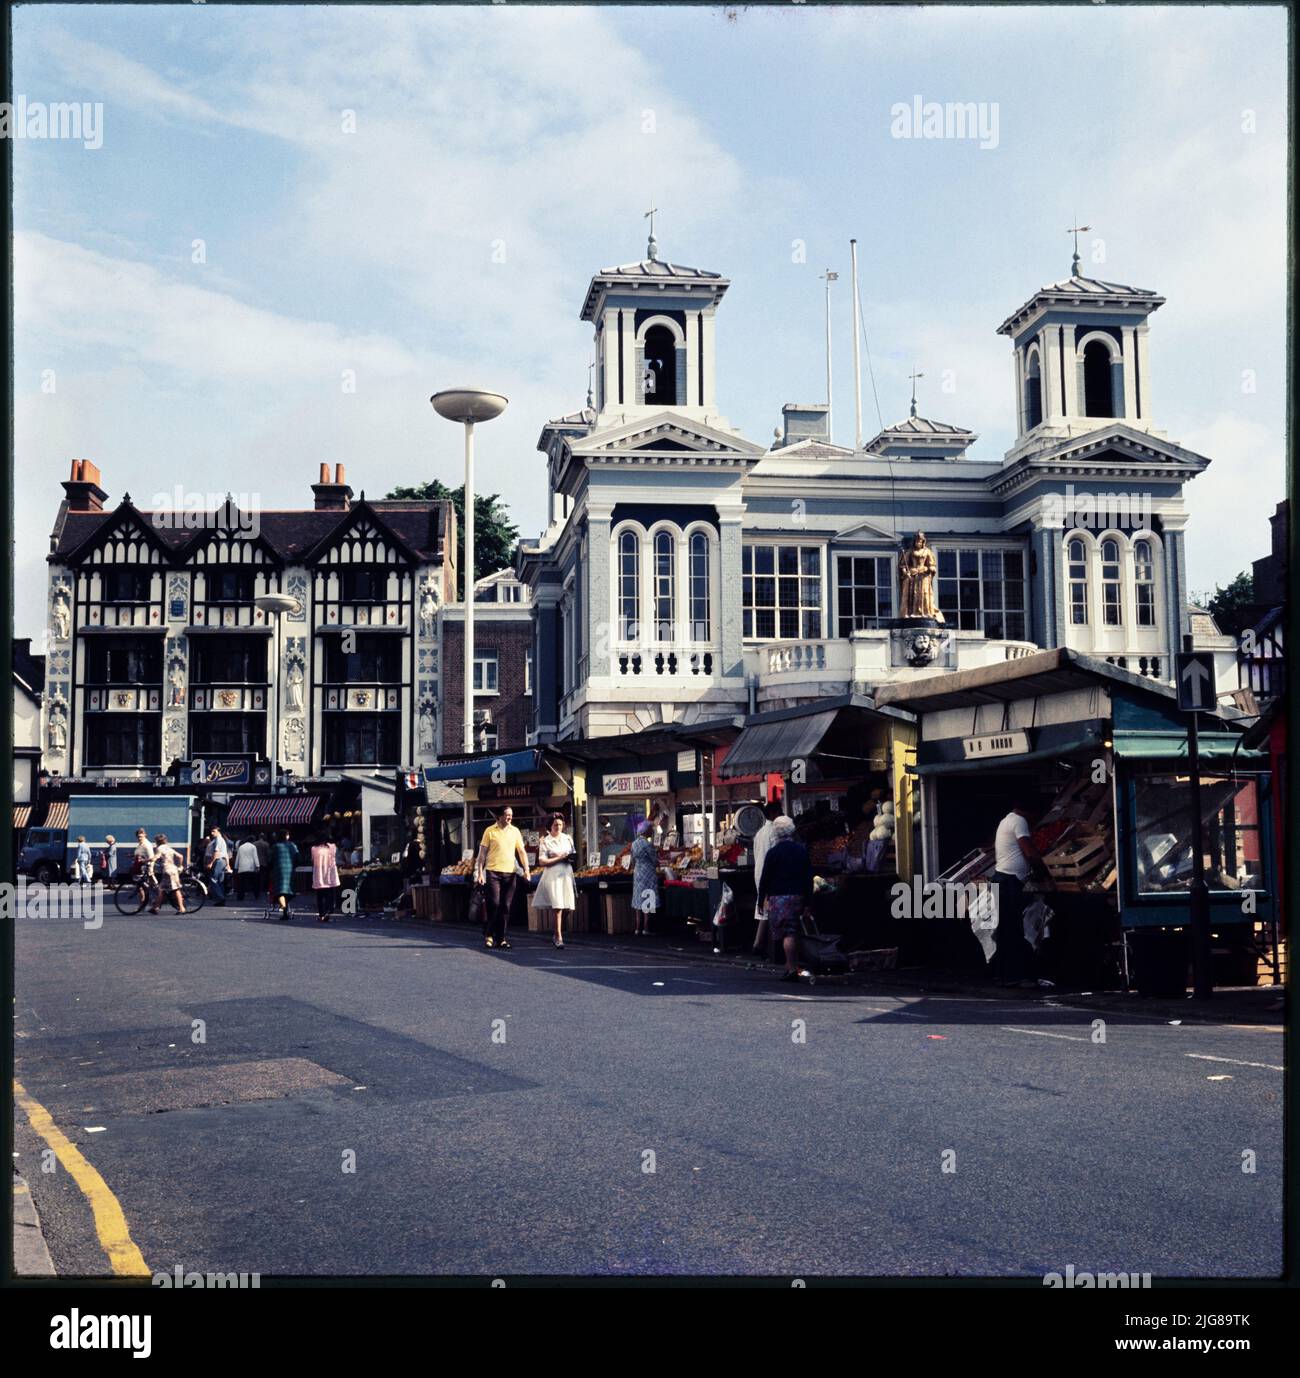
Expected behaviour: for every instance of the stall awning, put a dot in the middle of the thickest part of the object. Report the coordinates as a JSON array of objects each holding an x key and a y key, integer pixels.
[
  {"x": 22, "y": 815},
  {"x": 770, "y": 747},
  {"x": 1217, "y": 749},
  {"x": 485, "y": 767},
  {"x": 56, "y": 816},
  {"x": 274, "y": 810}
]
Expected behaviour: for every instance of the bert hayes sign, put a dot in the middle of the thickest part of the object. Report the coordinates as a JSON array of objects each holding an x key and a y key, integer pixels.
[{"x": 635, "y": 782}]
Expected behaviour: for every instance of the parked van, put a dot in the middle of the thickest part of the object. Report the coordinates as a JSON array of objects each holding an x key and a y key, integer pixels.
[{"x": 48, "y": 853}]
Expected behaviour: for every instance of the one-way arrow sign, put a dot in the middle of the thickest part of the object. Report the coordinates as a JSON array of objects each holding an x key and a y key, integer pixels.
[{"x": 1194, "y": 678}]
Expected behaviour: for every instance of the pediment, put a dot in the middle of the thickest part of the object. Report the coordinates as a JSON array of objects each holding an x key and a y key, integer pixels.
[
  {"x": 666, "y": 433},
  {"x": 1126, "y": 443},
  {"x": 866, "y": 531}
]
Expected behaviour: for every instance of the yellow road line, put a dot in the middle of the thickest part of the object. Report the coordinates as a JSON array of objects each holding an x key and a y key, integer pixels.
[{"x": 110, "y": 1222}]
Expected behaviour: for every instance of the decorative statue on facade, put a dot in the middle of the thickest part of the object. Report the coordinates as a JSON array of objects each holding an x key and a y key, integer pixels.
[
  {"x": 293, "y": 740},
  {"x": 917, "y": 571},
  {"x": 61, "y": 614},
  {"x": 176, "y": 678},
  {"x": 428, "y": 609},
  {"x": 57, "y": 731},
  {"x": 428, "y": 708},
  {"x": 173, "y": 740},
  {"x": 293, "y": 686}
]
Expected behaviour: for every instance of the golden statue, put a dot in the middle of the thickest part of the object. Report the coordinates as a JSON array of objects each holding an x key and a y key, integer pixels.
[{"x": 917, "y": 571}]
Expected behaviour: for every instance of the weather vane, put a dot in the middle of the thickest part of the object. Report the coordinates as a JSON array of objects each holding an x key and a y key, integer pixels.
[
  {"x": 914, "y": 375},
  {"x": 1076, "y": 231},
  {"x": 652, "y": 249}
]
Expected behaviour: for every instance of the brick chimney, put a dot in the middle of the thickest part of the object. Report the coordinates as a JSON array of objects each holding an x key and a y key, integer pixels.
[
  {"x": 82, "y": 487},
  {"x": 333, "y": 496}
]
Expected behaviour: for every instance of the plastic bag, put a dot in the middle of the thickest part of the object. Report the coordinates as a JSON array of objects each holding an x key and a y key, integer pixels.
[{"x": 724, "y": 913}]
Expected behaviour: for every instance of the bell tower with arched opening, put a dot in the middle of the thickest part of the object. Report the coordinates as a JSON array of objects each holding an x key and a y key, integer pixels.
[
  {"x": 654, "y": 343},
  {"x": 1080, "y": 358}
]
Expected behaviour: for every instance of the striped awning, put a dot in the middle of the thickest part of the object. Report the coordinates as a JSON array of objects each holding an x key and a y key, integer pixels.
[
  {"x": 56, "y": 816},
  {"x": 22, "y": 815},
  {"x": 265, "y": 811}
]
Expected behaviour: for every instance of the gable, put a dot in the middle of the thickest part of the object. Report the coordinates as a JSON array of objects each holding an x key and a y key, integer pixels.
[
  {"x": 361, "y": 538},
  {"x": 125, "y": 538}
]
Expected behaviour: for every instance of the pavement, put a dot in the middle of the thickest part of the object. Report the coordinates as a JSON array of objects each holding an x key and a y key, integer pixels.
[{"x": 379, "y": 1098}]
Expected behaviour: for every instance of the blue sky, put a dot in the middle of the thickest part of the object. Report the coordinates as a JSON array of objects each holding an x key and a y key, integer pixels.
[{"x": 538, "y": 136}]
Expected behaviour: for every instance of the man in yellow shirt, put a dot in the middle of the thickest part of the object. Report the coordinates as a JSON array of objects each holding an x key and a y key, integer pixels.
[{"x": 502, "y": 846}]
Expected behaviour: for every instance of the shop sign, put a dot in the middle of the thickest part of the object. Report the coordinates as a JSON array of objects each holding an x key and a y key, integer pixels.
[
  {"x": 541, "y": 789},
  {"x": 219, "y": 770},
  {"x": 995, "y": 744},
  {"x": 635, "y": 782}
]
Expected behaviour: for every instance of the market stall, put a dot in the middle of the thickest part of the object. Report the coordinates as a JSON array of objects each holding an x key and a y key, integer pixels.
[
  {"x": 842, "y": 768},
  {"x": 1101, "y": 755}
]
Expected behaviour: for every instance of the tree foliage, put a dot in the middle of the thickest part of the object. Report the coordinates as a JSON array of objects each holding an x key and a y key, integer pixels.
[
  {"x": 1232, "y": 605},
  {"x": 495, "y": 535}
]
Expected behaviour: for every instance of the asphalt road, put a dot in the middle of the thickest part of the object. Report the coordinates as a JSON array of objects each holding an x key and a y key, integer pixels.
[{"x": 501, "y": 1110}]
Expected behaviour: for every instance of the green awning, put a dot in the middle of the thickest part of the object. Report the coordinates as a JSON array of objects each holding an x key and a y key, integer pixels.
[{"x": 1222, "y": 750}]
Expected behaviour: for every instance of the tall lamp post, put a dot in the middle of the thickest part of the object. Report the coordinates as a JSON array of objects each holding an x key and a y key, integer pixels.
[
  {"x": 275, "y": 605},
  {"x": 467, "y": 406}
]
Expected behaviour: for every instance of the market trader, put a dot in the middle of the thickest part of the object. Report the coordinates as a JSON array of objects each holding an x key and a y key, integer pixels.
[
  {"x": 1014, "y": 854},
  {"x": 495, "y": 866}
]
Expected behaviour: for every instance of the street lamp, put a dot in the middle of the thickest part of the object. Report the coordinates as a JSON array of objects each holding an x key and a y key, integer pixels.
[
  {"x": 466, "y": 406},
  {"x": 275, "y": 605}
]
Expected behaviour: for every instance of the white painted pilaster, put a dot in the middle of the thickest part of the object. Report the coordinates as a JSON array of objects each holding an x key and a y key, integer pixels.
[
  {"x": 1050, "y": 354},
  {"x": 627, "y": 329},
  {"x": 1130, "y": 390},
  {"x": 1072, "y": 407},
  {"x": 1144, "y": 374},
  {"x": 706, "y": 328}
]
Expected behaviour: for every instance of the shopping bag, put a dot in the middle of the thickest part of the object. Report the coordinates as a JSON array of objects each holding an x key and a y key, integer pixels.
[
  {"x": 1038, "y": 923},
  {"x": 478, "y": 904},
  {"x": 726, "y": 908}
]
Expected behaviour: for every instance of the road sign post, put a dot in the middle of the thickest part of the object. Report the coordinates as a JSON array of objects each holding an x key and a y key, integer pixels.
[{"x": 1194, "y": 678}]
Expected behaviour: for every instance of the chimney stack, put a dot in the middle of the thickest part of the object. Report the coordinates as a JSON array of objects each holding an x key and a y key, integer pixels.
[
  {"x": 82, "y": 487},
  {"x": 335, "y": 495}
]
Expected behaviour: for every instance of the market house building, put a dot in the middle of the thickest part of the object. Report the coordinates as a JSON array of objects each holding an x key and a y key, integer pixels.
[
  {"x": 689, "y": 573},
  {"x": 162, "y": 666}
]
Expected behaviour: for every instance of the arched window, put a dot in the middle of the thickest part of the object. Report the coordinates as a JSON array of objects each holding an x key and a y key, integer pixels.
[
  {"x": 629, "y": 586},
  {"x": 1033, "y": 393},
  {"x": 699, "y": 587},
  {"x": 665, "y": 558},
  {"x": 1144, "y": 584},
  {"x": 1098, "y": 380},
  {"x": 1077, "y": 558},
  {"x": 659, "y": 380},
  {"x": 1111, "y": 607}
]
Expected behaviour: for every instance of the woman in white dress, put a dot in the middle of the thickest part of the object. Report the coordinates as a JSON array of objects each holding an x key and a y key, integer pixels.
[{"x": 555, "y": 888}]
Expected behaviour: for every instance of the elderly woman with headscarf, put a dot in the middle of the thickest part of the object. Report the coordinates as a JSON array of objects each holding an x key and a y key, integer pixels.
[
  {"x": 785, "y": 891},
  {"x": 645, "y": 876}
]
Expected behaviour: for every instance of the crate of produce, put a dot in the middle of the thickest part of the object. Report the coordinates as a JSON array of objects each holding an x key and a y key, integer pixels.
[{"x": 1078, "y": 857}]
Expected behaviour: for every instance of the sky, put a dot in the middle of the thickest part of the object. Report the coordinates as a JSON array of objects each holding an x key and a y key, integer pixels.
[{"x": 301, "y": 222}]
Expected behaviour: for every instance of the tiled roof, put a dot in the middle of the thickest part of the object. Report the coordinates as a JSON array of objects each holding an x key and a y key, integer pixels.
[
  {"x": 291, "y": 534},
  {"x": 919, "y": 425},
  {"x": 651, "y": 271},
  {"x": 1076, "y": 289}
]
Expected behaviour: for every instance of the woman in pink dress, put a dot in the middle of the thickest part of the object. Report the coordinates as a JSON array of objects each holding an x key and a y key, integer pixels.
[{"x": 324, "y": 876}]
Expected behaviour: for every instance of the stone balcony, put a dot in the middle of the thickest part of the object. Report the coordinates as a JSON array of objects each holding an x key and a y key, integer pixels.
[{"x": 789, "y": 672}]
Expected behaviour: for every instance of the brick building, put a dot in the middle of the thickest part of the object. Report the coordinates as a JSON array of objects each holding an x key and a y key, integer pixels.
[{"x": 503, "y": 667}]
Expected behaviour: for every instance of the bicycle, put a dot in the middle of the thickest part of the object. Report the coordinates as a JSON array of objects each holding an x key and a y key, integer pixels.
[{"x": 134, "y": 893}]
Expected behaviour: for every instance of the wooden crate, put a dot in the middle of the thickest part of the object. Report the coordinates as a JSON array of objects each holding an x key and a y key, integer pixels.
[
  {"x": 424, "y": 901},
  {"x": 1077, "y": 858},
  {"x": 616, "y": 911}
]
